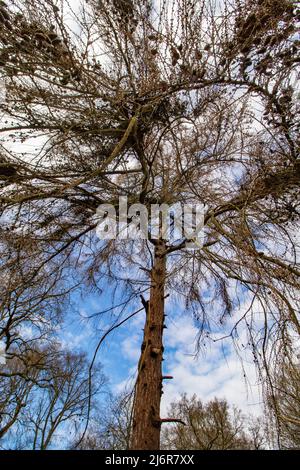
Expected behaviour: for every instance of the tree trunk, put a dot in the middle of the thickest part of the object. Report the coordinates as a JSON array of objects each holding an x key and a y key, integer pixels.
[{"x": 146, "y": 413}]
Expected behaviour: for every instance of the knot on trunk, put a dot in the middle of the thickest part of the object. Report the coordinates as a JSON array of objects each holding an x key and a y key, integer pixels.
[{"x": 154, "y": 352}]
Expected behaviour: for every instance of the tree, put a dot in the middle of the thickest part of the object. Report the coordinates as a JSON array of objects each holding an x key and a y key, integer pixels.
[
  {"x": 63, "y": 406},
  {"x": 211, "y": 426},
  {"x": 112, "y": 428},
  {"x": 259, "y": 433},
  {"x": 185, "y": 102},
  {"x": 284, "y": 403},
  {"x": 44, "y": 393},
  {"x": 21, "y": 374},
  {"x": 200, "y": 426}
]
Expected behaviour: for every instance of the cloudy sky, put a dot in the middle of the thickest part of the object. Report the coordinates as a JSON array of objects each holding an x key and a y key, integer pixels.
[{"x": 219, "y": 370}]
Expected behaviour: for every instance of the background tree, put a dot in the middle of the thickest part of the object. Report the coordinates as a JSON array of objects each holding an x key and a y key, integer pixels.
[
  {"x": 181, "y": 102},
  {"x": 207, "y": 426},
  {"x": 283, "y": 402},
  {"x": 45, "y": 396},
  {"x": 112, "y": 429},
  {"x": 210, "y": 426},
  {"x": 19, "y": 377}
]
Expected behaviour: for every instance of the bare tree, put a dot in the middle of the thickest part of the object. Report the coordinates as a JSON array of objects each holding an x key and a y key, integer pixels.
[
  {"x": 210, "y": 426},
  {"x": 283, "y": 402},
  {"x": 111, "y": 429},
  {"x": 45, "y": 400},
  {"x": 200, "y": 426},
  {"x": 19, "y": 376},
  {"x": 259, "y": 433},
  {"x": 176, "y": 102}
]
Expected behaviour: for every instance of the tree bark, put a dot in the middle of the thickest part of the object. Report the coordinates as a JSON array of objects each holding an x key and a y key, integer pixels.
[{"x": 148, "y": 391}]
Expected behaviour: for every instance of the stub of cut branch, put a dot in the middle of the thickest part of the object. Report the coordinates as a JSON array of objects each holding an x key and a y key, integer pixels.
[{"x": 172, "y": 420}]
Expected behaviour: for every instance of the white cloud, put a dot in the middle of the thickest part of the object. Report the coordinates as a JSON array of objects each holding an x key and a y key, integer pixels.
[
  {"x": 78, "y": 338},
  {"x": 217, "y": 372},
  {"x": 181, "y": 333},
  {"x": 131, "y": 348},
  {"x": 211, "y": 374}
]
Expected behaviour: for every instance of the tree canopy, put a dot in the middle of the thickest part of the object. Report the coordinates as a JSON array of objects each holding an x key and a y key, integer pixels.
[{"x": 163, "y": 102}]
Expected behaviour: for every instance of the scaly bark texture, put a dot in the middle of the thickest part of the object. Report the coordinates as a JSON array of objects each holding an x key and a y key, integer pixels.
[{"x": 146, "y": 416}]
